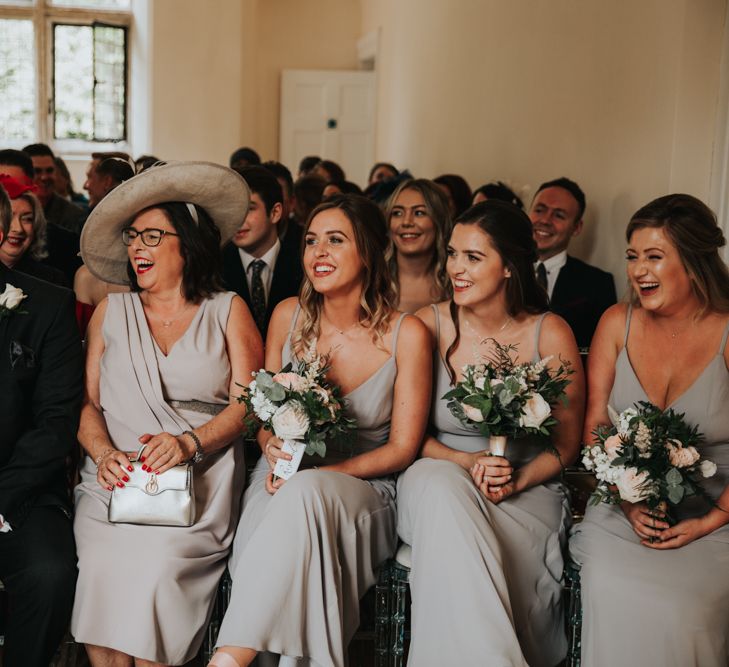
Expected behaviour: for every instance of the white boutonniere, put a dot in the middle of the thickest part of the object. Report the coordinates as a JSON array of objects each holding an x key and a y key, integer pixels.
[{"x": 10, "y": 300}]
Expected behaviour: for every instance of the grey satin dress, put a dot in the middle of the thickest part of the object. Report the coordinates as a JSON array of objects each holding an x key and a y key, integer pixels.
[
  {"x": 485, "y": 579},
  {"x": 148, "y": 590},
  {"x": 670, "y": 608},
  {"x": 303, "y": 557}
]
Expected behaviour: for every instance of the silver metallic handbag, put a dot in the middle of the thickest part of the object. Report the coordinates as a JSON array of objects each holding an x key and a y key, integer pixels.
[{"x": 155, "y": 500}]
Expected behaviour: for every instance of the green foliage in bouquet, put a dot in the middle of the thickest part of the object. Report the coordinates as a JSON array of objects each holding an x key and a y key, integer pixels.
[{"x": 501, "y": 397}]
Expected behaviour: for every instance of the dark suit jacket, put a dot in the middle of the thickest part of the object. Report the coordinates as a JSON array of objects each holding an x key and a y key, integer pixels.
[
  {"x": 287, "y": 274},
  {"x": 581, "y": 295},
  {"x": 63, "y": 213},
  {"x": 46, "y": 272},
  {"x": 62, "y": 251},
  {"x": 41, "y": 373}
]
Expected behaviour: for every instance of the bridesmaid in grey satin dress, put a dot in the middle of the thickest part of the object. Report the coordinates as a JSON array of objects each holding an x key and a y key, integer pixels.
[
  {"x": 306, "y": 549},
  {"x": 654, "y": 594},
  {"x": 487, "y": 532}
]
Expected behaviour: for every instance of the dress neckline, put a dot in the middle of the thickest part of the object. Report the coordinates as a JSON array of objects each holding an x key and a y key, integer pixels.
[
  {"x": 371, "y": 377},
  {"x": 686, "y": 391},
  {"x": 198, "y": 314}
]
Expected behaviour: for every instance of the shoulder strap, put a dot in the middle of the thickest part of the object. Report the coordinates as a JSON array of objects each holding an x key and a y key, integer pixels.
[
  {"x": 437, "y": 323},
  {"x": 297, "y": 310},
  {"x": 537, "y": 333},
  {"x": 395, "y": 334},
  {"x": 724, "y": 338},
  {"x": 628, "y": 315}
]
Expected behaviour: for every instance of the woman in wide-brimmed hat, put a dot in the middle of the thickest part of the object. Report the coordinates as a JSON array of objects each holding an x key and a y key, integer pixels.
[{"x": 162, "y": 364}]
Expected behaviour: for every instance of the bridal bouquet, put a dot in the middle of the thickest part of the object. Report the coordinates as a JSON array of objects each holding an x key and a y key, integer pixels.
[
  {"x": 505, "y": 399},
  {"x": 647, "y": 455},
  {"x": 300, "y": 407}
]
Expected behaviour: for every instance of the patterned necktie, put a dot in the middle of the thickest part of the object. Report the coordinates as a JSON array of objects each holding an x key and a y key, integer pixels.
[
  {"x": 258, "y": 295},
  {"x": 542, "y": 275}
]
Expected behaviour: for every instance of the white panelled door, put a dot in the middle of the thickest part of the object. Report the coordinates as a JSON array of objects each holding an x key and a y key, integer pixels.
[{"x": 329, "y": 113}]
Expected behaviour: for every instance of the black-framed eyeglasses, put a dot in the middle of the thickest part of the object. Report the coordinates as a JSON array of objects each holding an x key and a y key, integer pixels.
[{"x": 151, "y": 237}]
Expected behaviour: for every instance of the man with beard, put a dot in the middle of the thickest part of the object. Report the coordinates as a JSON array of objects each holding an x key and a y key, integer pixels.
[{"x": 578, "y": 292}]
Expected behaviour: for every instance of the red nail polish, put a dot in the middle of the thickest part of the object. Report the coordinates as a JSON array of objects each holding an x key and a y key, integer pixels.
[
  {"x": 156, "y": 472},
  {"x": 120, "y": 485},
  {"x": 125, "y": 478},
  {"x": 144, "y": 468},
  {"x": 142, "y": 458},
  {"x": 109, "y": 488},
  {"x": 130, "y": 469}
]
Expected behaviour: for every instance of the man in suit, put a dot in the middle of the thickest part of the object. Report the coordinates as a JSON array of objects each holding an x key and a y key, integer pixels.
[
  {"x": 41, "y": 372},
  {"x": 259, "y": 266},
  {"x": 578, "y": 292},
  {"x": 58, "y": 210}
]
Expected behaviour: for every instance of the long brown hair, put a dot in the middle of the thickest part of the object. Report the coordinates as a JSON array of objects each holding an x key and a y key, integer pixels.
[
  {"x": 692, "y": 228},
  {"x": 378, "y": 299},
  {"x": 436, "y": 204},
  {"x": 510, "y": 231}
]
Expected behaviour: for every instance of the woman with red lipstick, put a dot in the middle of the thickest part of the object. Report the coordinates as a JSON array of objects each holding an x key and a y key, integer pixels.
[
  {"x": 163, "y": 364},
  {"x": 306, "y": 549},
  {"x": 641, "y": 577},
  {"x": 420, "y": 223},
  {"x": 25, "y": 244},
  {"x": 487, "y": 531}
]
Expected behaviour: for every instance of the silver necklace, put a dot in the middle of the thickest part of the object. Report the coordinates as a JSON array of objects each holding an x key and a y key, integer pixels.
[
  {"x": 481, "y": 341},
  {"x": 341, "y": 332}
]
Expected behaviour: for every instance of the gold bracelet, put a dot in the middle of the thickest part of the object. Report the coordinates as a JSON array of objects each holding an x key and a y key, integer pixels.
[{"x": 103, "y": 455}]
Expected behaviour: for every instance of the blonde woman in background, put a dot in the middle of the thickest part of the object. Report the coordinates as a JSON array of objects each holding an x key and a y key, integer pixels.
[{"x": 419, "y": 220}]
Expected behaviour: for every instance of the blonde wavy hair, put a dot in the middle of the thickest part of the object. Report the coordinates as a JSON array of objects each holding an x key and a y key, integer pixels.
[
  {"x": 436, "y": 204},
  {"x": 378, "y": 298}
]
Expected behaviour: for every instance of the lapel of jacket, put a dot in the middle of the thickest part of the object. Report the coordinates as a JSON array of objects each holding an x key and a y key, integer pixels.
[{"x": 235, "y": 274}]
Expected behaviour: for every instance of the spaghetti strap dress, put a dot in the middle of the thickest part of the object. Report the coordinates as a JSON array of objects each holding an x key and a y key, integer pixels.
[
  {"x": 304, "y": 557},
  {"x": 485, "y": 578},
  {"x": 646, "y": 607},
  {"x": 148, "y": 591}
]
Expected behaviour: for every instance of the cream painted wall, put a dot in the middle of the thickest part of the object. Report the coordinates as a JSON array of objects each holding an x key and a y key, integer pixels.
[
  {"x": 197, "y": 69},
  {"x": 291, "y": 34},
  {"x": 621, "y": 96}
]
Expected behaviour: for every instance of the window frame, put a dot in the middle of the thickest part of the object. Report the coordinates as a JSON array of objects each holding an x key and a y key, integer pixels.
[{"x": 44, "y": 16}]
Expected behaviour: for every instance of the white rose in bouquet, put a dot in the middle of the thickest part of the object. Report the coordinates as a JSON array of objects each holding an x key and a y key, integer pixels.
[
  {"x": 474, "y": 414},
  {"x": 536, "y": 410},
  {"x": 480, "y": 383},
  {"x": 290, "y": 421},
  {"x": 11, "y": 297},
  {"x": 707, "y": 468},
  {"x": 629, "y": 484}
]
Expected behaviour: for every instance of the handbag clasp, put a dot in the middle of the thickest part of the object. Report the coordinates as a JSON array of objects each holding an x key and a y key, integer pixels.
[{"x": 151, "y": 486}]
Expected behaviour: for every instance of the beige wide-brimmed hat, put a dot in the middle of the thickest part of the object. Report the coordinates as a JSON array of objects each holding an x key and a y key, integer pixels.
[{"x": 222, "y": 192}]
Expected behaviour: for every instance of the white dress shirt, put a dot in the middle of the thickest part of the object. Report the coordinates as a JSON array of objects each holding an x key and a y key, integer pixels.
[
  {"x": 553, "y": 266},
  {"x": 269, "y": 260}
]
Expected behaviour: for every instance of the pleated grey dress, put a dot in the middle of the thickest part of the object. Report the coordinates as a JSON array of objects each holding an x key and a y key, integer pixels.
[
  {"x": 303, "y": 557},
  {"x": 148, "y": 590},
  {"x": 669, "y": 608},
  {"x": 485, "y": 579}
]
